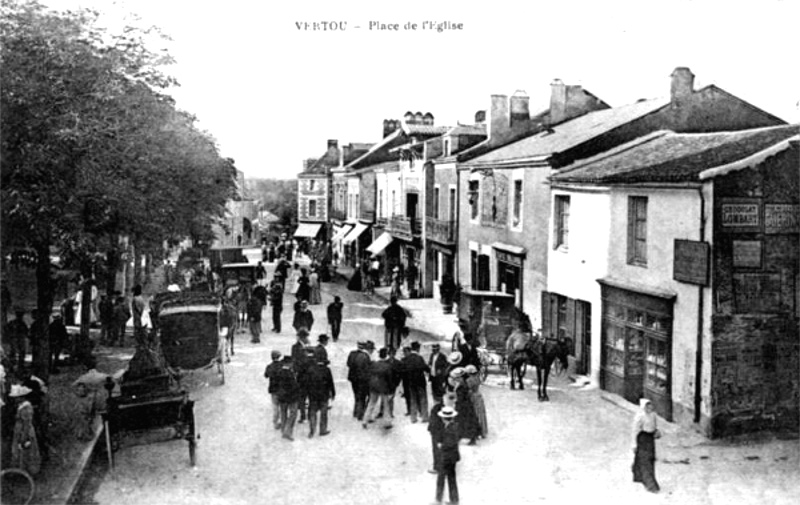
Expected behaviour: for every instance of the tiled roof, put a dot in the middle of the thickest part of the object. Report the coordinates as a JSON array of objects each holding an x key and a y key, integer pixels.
[
  {"x": 666, "y": 156},
  {"x": 468, "y": 129},
  {"x": 570, "y": 133}
]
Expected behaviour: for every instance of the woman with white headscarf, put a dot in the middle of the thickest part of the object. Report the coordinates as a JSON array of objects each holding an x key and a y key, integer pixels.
[{"x": 645, "y": 433}]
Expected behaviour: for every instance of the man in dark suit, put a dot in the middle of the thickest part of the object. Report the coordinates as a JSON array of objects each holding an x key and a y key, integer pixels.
[
  {"x": 303, "y": 318},
  {"x": 358, "y": 363},
  {"x": 288, "y": 393},
  {"x": 276, "y": 301},
  {"x": 447, "y": 444},
  {"x": 381, "y": 382},
  {"x": 438, "y": 373},
  {"x": 301, "y": 361},
  {"x": 335, "y": 317},
  {"x": 394, "y": 318},
  {"x": 320, "y": 353},
  {"x": 321, "y": 390},
  {"x": 416, "y": 371}
]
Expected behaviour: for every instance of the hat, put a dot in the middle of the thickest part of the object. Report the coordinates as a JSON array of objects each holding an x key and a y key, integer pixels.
[
  {"x": 18, "y": 390},
  {"x": 457, "y": 372},
  {"x": 450, "y": 397},
  {"x": 436, "y": 346},
  {"x": 447, "y": 413},
  {"x": 643, "y": 402},
  {"x": 302, "y": 332},
  {"x": 454, "y": 358},
  {"x": 471, "y": 369},
  {"x": 322, "y": 338},
  {"x": 415, "y": 346},
  {"x": 361, "y": 344},
  {"x": 276, "y": 354},
  {"x": 369, "y": 344}
]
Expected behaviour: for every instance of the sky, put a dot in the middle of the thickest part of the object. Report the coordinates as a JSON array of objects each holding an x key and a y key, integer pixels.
[{"x": 272, "y": 89}]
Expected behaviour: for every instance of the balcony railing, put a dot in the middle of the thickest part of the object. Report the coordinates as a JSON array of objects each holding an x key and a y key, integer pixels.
[
  {"x": 404, "y": 227},
  {"x": 441, "y": 231}
]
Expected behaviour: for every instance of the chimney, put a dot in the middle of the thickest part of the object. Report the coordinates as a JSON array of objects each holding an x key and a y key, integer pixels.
[
  {"x": 389, "y": 126},
  {"x": 498, "y": 116},
  {"x": 333, "y": 144},
  {"x": 427, "y": 119},
  {"x": 480, "y": 117},
  {"x": 344, "y": 154},
  {"x": 408, "y": 117},
  {"x": 418, "y": 118},
  {"x": 520, "y": 108},
  {"x": 558, "y": 102},
  {"x": 682, "y": 83}
]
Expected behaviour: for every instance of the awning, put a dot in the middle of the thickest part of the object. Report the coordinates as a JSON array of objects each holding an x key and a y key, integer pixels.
[
  {"x": 307, "y": 230},
  {"x": 355, "y": 233},
  {"x": 512, "y": 249},
  {"x": 380, "y": 243},
  {"x": 344, "y": 230}
]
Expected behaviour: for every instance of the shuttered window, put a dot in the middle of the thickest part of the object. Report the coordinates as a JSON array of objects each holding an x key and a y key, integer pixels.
[{"x": 637, "y": 230}]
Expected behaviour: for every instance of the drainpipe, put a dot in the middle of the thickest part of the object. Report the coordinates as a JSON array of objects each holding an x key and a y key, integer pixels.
[{"x": 698, "y": 363}]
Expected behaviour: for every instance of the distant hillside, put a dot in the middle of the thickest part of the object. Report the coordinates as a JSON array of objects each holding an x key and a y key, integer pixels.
[{"x": 278, "y": 196}]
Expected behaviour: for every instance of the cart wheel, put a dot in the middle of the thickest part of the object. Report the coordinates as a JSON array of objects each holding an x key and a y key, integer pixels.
[{"x": 16, "y": 486}]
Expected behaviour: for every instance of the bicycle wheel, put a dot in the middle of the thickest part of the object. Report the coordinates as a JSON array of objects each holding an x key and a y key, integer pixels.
[{"x": 16, "y": 486}]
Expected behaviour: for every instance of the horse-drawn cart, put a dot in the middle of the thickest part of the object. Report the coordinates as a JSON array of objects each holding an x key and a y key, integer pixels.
[
  {"x": 490, "y": 317},
  {"x": 186, "y": 336}
]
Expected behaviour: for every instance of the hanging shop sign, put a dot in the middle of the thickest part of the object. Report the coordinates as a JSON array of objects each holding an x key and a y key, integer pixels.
[{"x": 691, "y": 261}]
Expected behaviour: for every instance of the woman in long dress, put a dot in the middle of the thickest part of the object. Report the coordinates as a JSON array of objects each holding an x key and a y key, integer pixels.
[
  {"x": 473, "y": 381},
  {"x": 25, "y": 445},
  {"x": 468, "y": 424},
  {"x": 645, "y": 433},
  {"x": 303, "y": 291},
  {"x": 315, "y": 297}
]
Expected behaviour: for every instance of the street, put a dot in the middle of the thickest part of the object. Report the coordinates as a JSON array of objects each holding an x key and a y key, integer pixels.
[{"x": 575, "y": 447}]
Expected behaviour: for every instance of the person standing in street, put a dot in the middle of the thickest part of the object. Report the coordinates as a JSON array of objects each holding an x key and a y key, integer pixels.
[
  {"x": 271, "y": 374},
  {"x": 645, "y": 433},
  {"x": 437, "y": 363},
  {"x": 106, "y": 307},
  {"x": 300, "y": 363},
  {"x": 303, "y": 318},
  {"x": 315, "y": 290},
  {"x": 473, "y": 382},
  {"x": 276, "y": 301},
  {"x": 121, "y": 315},
  {"x": 294, "y": 278},
  {"x": 447, "y": 444},
  {"x": 335, "y": 317},
  {"x": 416, "y": 370},
  {"x": 358, "y": 364},
  {"x": 435, "y": 426},
  {"x": 320, "y": 353},
  {"x": 254, "y": 308},
  {"x": 321, "y": 391},
  {"x": 380, "y": 388},
  {"x": 468, "y": 426},
  {"x": 288, "y": 392},
  {"x": 58, "y": 337},
  {"x": 394, "y": 318}
]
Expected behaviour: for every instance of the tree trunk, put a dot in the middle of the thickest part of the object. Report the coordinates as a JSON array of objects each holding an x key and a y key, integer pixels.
[
  {"x": 112, "y": 264},
  {"x": 137, "y": 266},
  {"x": 40, "y": 340}
]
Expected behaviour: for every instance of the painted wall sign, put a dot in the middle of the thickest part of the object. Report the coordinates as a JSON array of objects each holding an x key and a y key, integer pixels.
[
  {"x": 781, "y": 218},
  {"x": 740, "y": 214},
  {"x": 747, "y": 253},
  {"x": 690, "y": 262}
]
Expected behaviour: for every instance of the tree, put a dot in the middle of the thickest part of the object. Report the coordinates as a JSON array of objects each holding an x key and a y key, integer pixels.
[{"x": 94, "y": 149}]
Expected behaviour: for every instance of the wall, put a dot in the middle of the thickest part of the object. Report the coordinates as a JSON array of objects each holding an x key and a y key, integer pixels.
[
  {"x": 574, "y": 272},
  {"x": 367, "y": 191},
  {"x": 755, "y": 324},
  {"x": 320, "y": 193},
  {"x": 671, "y": 214}
]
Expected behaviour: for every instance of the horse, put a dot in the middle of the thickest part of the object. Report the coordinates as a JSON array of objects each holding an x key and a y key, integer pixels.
[{"x": 524, "y": 348}]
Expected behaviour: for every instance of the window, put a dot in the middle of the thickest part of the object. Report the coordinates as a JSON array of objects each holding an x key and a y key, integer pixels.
[
  {"x": 312, "y": 208},
  {"x": 516, "y": 218},
  {"x": 312, "y": 185},
  {"x": 561, "y": 238},
  {"x": 473, "y": 268},
  {"x": 474, "y": 190},
  {"x": 436, "y": 203},
  {"x": 637, "y": 230},
  {"x": 451, "y": 205},
  {"x": 447, "y": 147}
]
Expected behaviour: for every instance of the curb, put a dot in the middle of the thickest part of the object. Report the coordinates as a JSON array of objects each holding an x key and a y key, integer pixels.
[{"x": 84, "y": 460}]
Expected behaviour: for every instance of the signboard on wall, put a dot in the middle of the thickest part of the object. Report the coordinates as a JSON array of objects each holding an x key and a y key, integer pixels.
[
  {"x": 781, "y": 218},
  {"x": 757, "y": 293},
  {"x": 691, "y": 262},
  {"x": 741, "y": 214},
  {"x": 747, "y": 253}
]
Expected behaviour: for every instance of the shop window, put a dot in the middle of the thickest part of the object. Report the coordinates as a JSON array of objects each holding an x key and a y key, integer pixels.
[{"x": 637, "y": 230}]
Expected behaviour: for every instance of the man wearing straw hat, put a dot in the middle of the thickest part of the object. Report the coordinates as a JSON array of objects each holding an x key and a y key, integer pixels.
[{"x": 447, "y": 445}]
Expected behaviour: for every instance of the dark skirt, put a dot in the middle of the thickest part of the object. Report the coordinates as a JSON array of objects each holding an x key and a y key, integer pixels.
[{"x": 644, "y": 462}]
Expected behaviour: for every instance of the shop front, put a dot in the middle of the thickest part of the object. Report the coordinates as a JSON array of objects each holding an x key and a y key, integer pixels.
[{"x": 636, "y": 344}]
